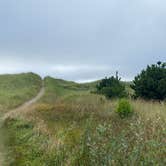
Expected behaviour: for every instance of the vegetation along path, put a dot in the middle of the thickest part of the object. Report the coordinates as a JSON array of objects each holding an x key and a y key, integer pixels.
[{"x": 17, "y": 111}]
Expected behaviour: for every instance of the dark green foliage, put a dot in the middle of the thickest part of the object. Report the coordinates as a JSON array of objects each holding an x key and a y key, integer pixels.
[
  {"x": 124, "y": 108},
  {"x": 111, "y": 87},
  {"x": 151, "y": 83}
]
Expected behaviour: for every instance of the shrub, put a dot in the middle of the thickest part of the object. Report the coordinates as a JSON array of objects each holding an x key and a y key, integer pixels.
[
  {"x": 151, "y": 83},
  {"x": 111, "y": 87},
  {"x": 124, "y": 108}
]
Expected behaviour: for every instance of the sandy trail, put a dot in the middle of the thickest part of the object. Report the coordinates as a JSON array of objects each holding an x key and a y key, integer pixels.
[
  {"x": 15, "y": 112},
  {"x": 24, "y": 107}
]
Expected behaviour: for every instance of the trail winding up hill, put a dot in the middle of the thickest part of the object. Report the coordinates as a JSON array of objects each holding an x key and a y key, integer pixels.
[{"x": 15, "y": 112}]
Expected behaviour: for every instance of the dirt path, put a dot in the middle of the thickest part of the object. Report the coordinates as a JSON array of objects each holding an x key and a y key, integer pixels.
[
  {"x": 25, "y": 105},
  {"x": 14, "y": 112}
]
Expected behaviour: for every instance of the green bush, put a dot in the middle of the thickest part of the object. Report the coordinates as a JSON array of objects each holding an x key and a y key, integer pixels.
[
  {"x": 124, "y": 108},
  {"x": 111, "y": 87},
  {"x": 151, "y": 82}
]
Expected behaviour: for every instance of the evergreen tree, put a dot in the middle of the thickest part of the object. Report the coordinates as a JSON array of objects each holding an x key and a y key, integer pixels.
[
  {"x": 151, "y": 83},
  {"x": 111, "y": 87}
]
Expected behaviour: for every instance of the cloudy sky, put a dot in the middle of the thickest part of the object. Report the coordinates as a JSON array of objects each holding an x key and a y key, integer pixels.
[{"x": 81, "y": 40}]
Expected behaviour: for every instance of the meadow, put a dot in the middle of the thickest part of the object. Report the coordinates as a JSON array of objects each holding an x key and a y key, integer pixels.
[
  {"x": 72, "y": 126},
  {"x": 18, "y": 88}
]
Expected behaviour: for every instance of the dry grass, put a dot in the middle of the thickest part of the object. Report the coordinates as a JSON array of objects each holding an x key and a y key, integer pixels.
[
  {"x": 79, "y": 128},
  {"x": 140, "y": 137}
]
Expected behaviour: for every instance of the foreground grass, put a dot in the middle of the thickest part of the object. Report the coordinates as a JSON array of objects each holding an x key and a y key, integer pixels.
[
  {"x": 16, "y": 89},
  {"x": 70, "y": 126}
]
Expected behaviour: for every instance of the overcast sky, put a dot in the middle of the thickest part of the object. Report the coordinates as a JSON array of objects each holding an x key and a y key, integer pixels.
[{"x": 81, "y": 40}]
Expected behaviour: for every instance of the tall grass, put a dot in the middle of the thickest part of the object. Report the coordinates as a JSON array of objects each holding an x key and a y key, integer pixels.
[{"x": 74, "y": 127}]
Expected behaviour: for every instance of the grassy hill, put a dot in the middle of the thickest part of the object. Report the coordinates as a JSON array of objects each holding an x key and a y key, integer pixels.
[
  {"x": 18, "y": 88},
  {"x": 71, "y": 126},
  {"x": 58, "y": 88}
]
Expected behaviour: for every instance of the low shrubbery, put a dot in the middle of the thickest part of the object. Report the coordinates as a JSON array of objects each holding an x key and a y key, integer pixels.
[
  {"x": 124, "y": 108},
  {"x": 111, "y": 87},
  {"x": 72, "y": 135}
]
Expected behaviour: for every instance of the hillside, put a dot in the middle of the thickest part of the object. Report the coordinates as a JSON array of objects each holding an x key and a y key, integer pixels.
[
  {"x": 71, "y": 126},
  {"x": 58, "y": 88},
  {"x": 18, "y": 88}
]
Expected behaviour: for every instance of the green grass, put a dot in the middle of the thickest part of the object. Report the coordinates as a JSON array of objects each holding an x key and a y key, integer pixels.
[
  {"x": 71, "y": 126},
  {"x": 57, "y": 88},
  {"x": 16, "y": 89}
]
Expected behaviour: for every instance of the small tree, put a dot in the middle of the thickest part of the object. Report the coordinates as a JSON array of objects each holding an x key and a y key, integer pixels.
[
  {"x": 124, "y": 108},
  {"x": 111, "y": 87},
  {"x": 151, "y": 83}
]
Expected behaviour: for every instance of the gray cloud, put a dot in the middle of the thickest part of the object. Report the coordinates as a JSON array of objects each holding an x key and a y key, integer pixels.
[{"x": 81, "y": 40}]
